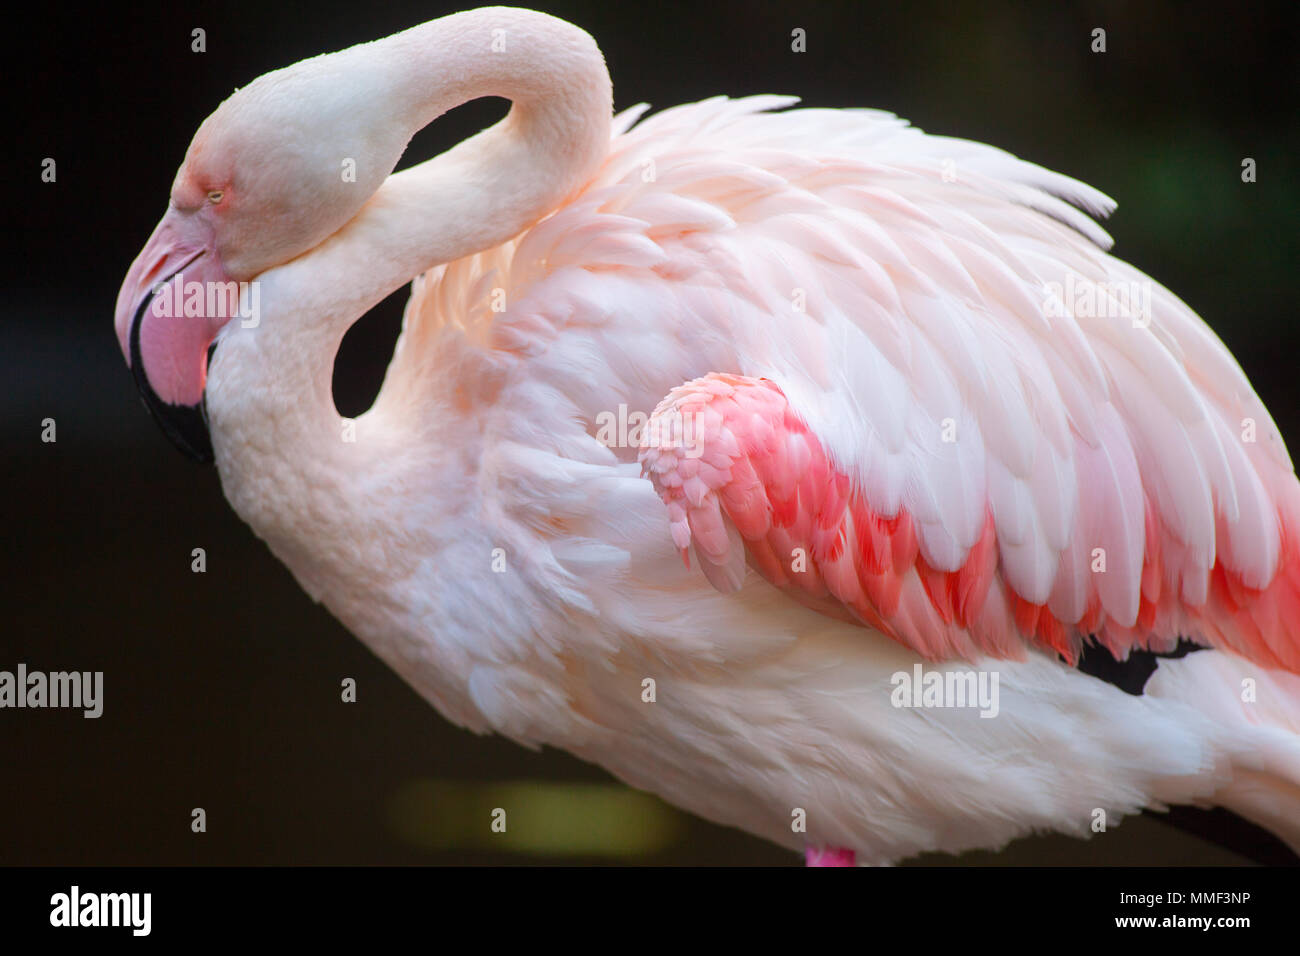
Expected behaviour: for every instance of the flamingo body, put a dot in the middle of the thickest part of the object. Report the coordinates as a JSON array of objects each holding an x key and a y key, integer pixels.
[{"x": 842, "y": 352}]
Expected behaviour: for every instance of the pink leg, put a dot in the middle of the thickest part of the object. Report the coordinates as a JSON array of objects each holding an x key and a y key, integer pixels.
[{"x": 828, "y": 856}]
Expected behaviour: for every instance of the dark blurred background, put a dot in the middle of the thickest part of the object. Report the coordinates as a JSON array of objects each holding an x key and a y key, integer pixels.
[{"x": 223, "y": 689}]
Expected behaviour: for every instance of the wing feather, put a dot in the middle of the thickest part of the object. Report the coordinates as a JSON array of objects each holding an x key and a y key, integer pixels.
[{"x": 983, "y": 432}]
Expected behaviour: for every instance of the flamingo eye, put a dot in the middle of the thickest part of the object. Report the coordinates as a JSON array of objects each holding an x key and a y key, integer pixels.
[{"x": 214, "y": 196}]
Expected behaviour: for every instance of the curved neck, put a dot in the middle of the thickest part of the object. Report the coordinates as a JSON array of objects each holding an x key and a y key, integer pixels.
[
  {"x": 491, "y": 187},
  {"x": 276, "y": 380}
]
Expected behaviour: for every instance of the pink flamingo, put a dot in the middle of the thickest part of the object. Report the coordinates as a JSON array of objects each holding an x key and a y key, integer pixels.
[{"x": 909, "y": 415}]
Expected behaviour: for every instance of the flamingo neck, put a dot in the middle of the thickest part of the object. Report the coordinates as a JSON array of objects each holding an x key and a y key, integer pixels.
[
  {"x": 288, "y": 463},
  {"x": 487, "y": 189}
]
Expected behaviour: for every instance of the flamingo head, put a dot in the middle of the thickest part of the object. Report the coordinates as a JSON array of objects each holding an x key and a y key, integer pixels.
[{"x": 264, "y": 181}]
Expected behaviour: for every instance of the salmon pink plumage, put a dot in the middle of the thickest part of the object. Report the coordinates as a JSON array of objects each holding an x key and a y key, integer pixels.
[{"x": 754, "y": 466}]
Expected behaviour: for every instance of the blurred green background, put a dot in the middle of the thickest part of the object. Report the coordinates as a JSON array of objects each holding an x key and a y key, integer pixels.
[{"x": 222, "y": 689}]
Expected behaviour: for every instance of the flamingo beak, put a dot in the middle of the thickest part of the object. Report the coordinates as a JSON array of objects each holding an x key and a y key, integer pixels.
[{"x": 174, "y": 301}]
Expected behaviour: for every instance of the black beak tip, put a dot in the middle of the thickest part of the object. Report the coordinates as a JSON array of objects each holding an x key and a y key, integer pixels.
[{"x": 185, "y": 425}]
